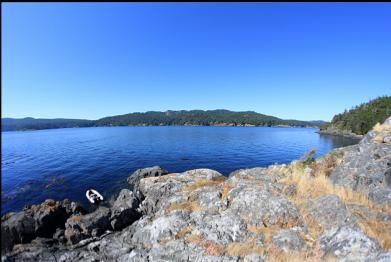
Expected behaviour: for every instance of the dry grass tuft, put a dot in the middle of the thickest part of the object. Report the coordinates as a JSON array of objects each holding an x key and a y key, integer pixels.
[
  {"x": 319, "y": 185},
  {"x": 316, "y": 254},
  {"x": 226, "y": 189},
  {"x": 379, "y": 230},
  {"x": 183, "y": 232},
  {"x": 255, "y": 229},
  {"x": 195, "y": 239},
  {"x": 199, "y": 183},
  {"x": 211, "y": 248},
  {"x": 378, "y": 139},
  {"x": 76, "y": 218},
  {"x": 245, "y": 248},
  {"x": 192, "y": 206},
  {"x": 324, "y": 167},
  {"x": 245, "y": 177},
  {"x": 313, "y": 226},
  {"x": 271, "y": 230},
  {"x": 382, "y": 128}
]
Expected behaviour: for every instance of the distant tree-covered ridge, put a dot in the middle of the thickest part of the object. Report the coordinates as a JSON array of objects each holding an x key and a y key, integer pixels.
[
  {"x": 154, "y": 118},
  {"x": 360, "y": 119},
  {"x": 200, "y": 117},
  {"x": 29, "y": 123}
]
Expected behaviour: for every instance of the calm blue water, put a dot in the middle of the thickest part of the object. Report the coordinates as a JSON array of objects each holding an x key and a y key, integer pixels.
[{"x": 64, "y": 163}]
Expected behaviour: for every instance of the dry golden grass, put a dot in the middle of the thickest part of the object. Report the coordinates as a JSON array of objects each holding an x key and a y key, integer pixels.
[
  {"x": 242, "y": 249},
  {"x": 195, "y": 239},
  {"x": 271, "y": 230},
  {"x": 183, "y": 232},
  {"x": 379, "y": 230},
  {"x": 314, "y": 255},
  {"x": 211, "y": 248},
  {"x": 193, "y": 206},
  {"x": 226, "y": 189},
  {"x": 319, "y": 185},
  {"x": 76, "y": 218},
  {"x": 199, "y": 183},
  {"x": 268, "y": 232},
  {"x": 378, "y": 139},
  {"x": 313, "y": 226},
  {"x": 255, "y": 229},
  {"x": 245, "y": 177},
  {"x": 233, "y": 249},
  {"x": 250, "y": 246},
  {"x": 382, "y": 128},
  {"x": 324, "y": 167}
]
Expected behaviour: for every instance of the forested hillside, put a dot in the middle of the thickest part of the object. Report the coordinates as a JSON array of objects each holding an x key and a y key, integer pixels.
[
  {"x": 363, "y": 117},
  {"x": 155, "y": 118},
  {"x": 200, "y": 117}
]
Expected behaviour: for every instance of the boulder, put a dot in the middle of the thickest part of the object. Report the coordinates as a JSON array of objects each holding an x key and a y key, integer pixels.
[
  {"x": 79, "y": 227},
  {"x": 349, "y": 243},
  {"x": 16, "y": 228},
  {"x": 124, "y": 210},
  {"x": 329, "y": 211},
  {"x": 136, "y": 176},
  {"x": 36, "y": 221}
]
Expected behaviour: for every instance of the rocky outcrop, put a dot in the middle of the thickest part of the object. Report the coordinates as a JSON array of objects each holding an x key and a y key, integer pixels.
[
  {"x": 136, "y": 176},
  {"x": 325, "y": 209},
  {"x": 366, "y": 167},
  {"x": 334, "y": 131},
  {"x": 36, "y": 221},
  {"x": 124, "y": 210},
  {"x": 94, "y": 224}
]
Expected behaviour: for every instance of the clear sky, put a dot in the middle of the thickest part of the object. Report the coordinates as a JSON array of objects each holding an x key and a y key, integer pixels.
[{"x": 294, "y": 61}]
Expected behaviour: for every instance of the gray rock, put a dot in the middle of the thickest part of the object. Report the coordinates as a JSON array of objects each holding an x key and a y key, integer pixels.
[
  {"x": 365, "y": 168},
  {"x": 289, "y": 239},
  {"x": 36, "y": 221},
  {"x": 261, "y": 207},
  {"x": 136, "y": 176},
  {"x": 79, "y": 227},
  {"x": 387, "y": 139},
  {"x": 254, "y": 258},
  {"x": 383, "y": 257},
  {"x": 330, "y": 211},
  {"x": 224, "y": 229},
  {"x": 349, "y": 243},
  {"x": 124, "y": 210}
]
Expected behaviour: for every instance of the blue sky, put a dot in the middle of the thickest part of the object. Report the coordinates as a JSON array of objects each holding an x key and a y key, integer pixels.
[{"x": 294, "y": 61}]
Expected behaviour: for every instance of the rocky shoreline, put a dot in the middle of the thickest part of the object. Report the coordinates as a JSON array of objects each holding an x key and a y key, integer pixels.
[
  {"x": 336, "y": 132},
  {"x": 337, "y": 207}
]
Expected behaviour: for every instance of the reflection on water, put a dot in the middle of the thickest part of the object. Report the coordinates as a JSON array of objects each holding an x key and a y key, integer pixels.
[
  {"x": 64, "y": 163},
  {"x": 338, "y": 141}
]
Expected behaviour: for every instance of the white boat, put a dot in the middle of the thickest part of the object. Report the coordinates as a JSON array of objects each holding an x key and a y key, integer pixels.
[{"x": 93, "y": 196}]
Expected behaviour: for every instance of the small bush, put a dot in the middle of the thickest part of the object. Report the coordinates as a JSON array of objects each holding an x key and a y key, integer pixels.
[{"x": 309, "y": 157}]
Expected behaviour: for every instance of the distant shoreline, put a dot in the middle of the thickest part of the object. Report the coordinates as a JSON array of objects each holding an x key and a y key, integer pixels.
[
  {"x": 280, "y": 126},
  {"x": 340, "y": 134}
]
